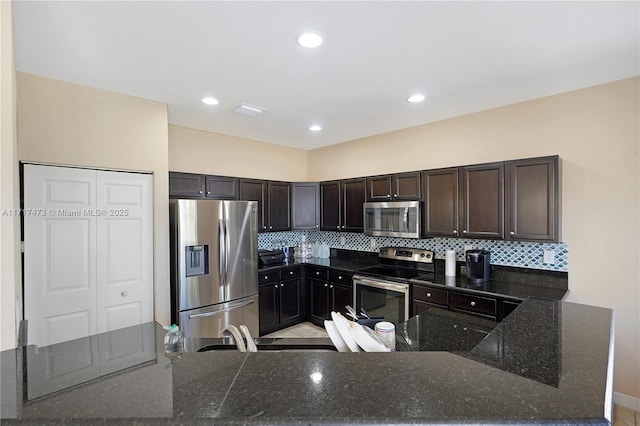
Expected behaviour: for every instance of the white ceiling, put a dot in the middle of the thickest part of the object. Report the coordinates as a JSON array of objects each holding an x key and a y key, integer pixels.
[{"x": 464, "y": 56}]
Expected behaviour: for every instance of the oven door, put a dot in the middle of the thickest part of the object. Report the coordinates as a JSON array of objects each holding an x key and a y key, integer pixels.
[{"x": 381, "y": 298}]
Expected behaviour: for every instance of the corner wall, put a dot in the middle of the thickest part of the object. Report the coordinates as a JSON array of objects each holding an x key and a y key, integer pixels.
[
  {"x": 596, "y": 133},
  {"x": 69, "y": 124},
  {"x": 10, "y": 266}
]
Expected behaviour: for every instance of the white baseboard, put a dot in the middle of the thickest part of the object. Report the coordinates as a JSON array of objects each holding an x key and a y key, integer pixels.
[{"x": 626, "y": 401}]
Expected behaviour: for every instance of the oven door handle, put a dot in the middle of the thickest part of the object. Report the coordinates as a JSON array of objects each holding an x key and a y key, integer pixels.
[{"x": 372, "y": 282}]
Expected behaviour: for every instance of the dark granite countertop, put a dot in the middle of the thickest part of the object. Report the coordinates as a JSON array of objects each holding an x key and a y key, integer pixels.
[
  {"x": 344, "y": 264},
  {"x": 548, "y": 362}
]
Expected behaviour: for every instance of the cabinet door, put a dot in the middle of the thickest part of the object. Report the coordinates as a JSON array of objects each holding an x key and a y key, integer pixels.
[
  {"x": 185, "y": 185},
  {"x": 319, "y": 299},
  {"x": 354, "y": 194},
  {"x": 306, "y": 205},
  {"x": 290, "y": 301},
  {"x": 533, "y": 199},
  {"x": 407, "y": 186},
  {"x": 330, "y": 206},
  {"x": 221, "y": 187},
  {"x": 269, "y": 316},
  {"x": 342, "y": 296},
  {"x": 256, "y": 190},
  {"x": 440, "y": 216},
  {"x": 279, "y": 206},
  {"x": 379, "y": 188},
  {"x": 482, "y": 201}
]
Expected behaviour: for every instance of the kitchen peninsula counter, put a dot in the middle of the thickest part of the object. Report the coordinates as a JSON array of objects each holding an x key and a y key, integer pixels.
[{"x": 550, "y": 361}]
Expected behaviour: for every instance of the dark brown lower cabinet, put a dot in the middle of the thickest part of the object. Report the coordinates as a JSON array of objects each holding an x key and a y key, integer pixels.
[
  {"x": 327, "y": 296},
  {"x": 280, "y": 300}
]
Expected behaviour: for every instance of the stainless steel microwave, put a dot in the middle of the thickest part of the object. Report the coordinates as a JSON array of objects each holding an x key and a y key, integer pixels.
[{"x": 392, "y": 219}]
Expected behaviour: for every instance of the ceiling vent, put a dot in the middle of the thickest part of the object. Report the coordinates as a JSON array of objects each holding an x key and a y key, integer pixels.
[{"x": 247, "y": 109}]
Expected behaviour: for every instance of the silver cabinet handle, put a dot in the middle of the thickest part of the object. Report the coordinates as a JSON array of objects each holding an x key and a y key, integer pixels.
[
  {"x": 512, "y": 233},
  {"x": 473, "y": 303},
  {"x": 455, "y": 231},
  {"x": 124, "y": 293},
  {"x": 428, "y": 294}
]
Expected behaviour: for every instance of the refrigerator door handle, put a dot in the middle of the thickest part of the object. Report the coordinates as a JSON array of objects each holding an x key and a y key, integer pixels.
[
  {"x": 223, "y": 257},
  {"x": 219, "y": 311}
]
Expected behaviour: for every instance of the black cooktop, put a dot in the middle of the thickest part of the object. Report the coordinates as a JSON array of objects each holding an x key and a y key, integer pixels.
[{"x": 395, "y": 273}]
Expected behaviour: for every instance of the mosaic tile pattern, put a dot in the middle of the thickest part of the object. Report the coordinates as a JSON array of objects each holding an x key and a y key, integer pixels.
[{"x": 506, "y": 253}]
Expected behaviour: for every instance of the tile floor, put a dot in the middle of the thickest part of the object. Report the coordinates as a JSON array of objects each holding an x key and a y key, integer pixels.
[
  {"x": 306, "y": 329},
  {"x": 622, "y": 416}
]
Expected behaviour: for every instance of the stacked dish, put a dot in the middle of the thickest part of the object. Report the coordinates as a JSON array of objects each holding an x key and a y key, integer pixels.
[{"x": 349, "y": 336}]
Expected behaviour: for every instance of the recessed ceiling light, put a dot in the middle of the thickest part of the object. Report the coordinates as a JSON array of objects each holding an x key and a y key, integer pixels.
[
  {"x": 416, "y": 98},
  {"x": 210, "y": 101},
  {"x": 310, "y": 40},
  {"x": 315, "y": 128}
]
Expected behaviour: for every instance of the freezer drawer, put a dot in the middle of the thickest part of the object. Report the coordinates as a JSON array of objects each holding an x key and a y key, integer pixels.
[{"x": 211, "y": 320}]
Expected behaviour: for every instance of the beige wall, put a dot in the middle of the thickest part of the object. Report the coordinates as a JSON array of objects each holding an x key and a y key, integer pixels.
[
  {"x": 596, "y": 133},
  {"x": 10, "y": 274},
  {"x": 211, "y": 153},
  {"x": 65, "y": 123}
]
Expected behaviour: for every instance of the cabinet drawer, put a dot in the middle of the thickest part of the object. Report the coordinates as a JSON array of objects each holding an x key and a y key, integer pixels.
[
  {"x": 318, "y": 273},
  {"x": 268, "y": 277},
  {"x": 431, "y": 295},
  {"x": 481, "y": 305},
  {"x": 290, "y": 273},
  {"x": 340, "y": 277}
]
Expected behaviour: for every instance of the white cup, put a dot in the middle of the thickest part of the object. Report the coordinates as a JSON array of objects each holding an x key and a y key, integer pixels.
[{"x": 387, "y": 332}]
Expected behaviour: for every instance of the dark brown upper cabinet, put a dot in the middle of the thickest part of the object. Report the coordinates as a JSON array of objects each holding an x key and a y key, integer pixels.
[
  {"x": 305, "y": 209},
  {"x": 274, "y": 203},
  {"x": 186, "y": 185},
  {"x": 353, "y": 197},
  {"x": 401, "y": 186},
  {"x": 533, "y": 198},
  {"x": 441, "y": 197},
  {"x": 330, "y": 205},
  {"x": 482, "y": 201},
  {"x": 341, "y": 205},
  {"x": 256, "y": 190},
  {"x": 279, "y": 206},
  {"x": 221, "y": 187}
]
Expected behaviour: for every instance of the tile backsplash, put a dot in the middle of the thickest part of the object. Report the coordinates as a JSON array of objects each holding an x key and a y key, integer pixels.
[{"x": 506, "y": 253}]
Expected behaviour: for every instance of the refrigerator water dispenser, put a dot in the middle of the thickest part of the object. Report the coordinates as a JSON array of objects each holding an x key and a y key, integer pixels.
[{"x": 197, "y": 260}]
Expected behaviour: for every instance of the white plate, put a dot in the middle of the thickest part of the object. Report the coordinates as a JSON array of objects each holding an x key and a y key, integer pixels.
[
  {"x": 367, "y": 339},
  {"x": 344, "y": 328},
  {"x": 335, "y": 337}
]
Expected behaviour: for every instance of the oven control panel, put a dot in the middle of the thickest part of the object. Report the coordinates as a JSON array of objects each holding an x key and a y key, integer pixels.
[{"x": 408, "y": 254}]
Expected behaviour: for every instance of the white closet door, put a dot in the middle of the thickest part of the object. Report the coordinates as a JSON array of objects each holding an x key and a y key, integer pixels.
[
  {"x": 125, "y": 248},
  {"x": 60, "y": 257}
]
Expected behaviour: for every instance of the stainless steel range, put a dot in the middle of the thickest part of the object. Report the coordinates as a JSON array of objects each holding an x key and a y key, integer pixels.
[{"x": 383, "y": 289}]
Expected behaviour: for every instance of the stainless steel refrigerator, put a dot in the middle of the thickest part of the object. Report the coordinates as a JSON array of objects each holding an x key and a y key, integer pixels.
[{"x": 214, "y": 265}]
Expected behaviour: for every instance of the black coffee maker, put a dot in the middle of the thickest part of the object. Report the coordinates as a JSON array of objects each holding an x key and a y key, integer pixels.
[{"x": 478, "y": 266}]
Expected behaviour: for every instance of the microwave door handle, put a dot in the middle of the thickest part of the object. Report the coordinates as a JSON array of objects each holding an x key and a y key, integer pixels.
[{"x": 406, "y": 219}]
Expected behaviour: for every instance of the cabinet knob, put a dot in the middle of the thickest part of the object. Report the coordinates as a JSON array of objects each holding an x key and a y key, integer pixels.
[
  {"x": 208, "y": 192},
  {"x": 464, "y": 231},
  {"x": 473, "y": 303},
  {"x": 512, "y": 233},
  {"x": 266, "y": 277},
  {"x": 317, "y": 226},
  {"x": 276, "y": 286},
  {"x": 338, "y": 227},
  {"x": 271, "y": 227},
  {"x": 330, "y": 286},
  {"x": 200, "y": 192},
  {"x": 124, "y": 293},
  {"x": 388, "y": 195},
  {"x": 290, "y": 272},
  {"x": 455, "y": 231},
  {"x": 281, "y": 285},
  {"x": 339, "y": 277},
  {"x": 428, "y": 294},
  {"x": 317, "y": 272},
  {"x": 326, "y": 285},
  {"x": 395, "y": 195}
]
